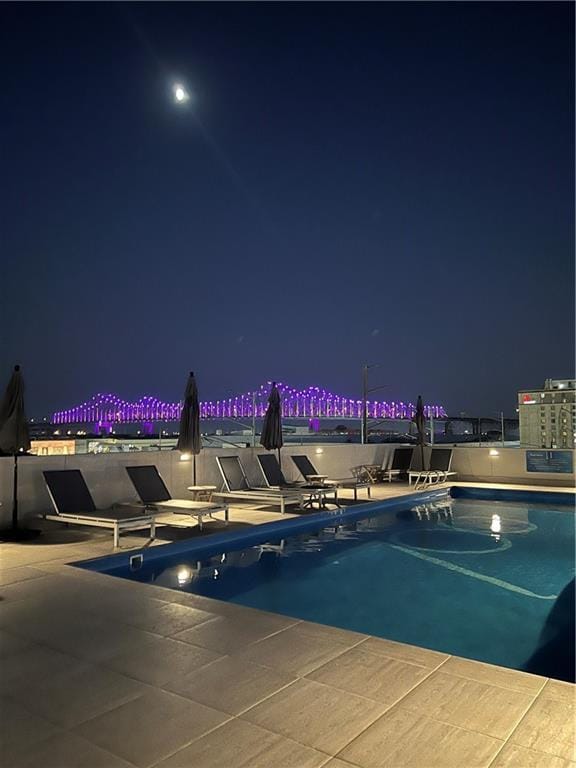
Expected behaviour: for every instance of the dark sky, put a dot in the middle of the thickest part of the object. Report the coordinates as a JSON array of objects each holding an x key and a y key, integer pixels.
[{"x": 384, "y": 183}]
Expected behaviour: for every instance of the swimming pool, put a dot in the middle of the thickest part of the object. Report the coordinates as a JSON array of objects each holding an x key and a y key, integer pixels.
[{"x": 491, "y": 580}]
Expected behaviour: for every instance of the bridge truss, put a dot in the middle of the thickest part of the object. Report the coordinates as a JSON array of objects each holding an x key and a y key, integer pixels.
[{"x": 310, "y": 403}]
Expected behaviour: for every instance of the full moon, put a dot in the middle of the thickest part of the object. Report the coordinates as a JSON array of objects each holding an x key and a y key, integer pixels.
[{"x": 180, "y": 93}]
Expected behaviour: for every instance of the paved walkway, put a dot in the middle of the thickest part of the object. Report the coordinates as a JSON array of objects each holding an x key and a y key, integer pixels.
[{"x": 103, "y": 673}]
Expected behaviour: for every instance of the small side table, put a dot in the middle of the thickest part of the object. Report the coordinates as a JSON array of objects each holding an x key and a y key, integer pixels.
[
  {"x": 202, "y": 492},
  {"x": 317, "y": 478}
]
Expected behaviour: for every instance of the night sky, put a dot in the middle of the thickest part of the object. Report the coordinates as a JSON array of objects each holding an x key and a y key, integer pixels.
[{"x": 383, "y": 183}]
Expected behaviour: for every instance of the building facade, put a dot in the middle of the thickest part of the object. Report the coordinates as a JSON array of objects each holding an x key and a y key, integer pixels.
[{"x": 548, "y": 416}]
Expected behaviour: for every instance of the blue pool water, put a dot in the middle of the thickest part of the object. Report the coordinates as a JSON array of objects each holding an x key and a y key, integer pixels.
[{"x": 487, "y": 580}]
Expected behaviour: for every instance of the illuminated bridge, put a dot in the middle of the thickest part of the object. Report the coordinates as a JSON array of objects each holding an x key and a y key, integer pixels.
[{"x": 107, "y": 410}]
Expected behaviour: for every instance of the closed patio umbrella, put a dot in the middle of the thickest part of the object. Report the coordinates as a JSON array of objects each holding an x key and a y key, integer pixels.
[
  {"x": 419, "y": 419},
  {"x": 14, "y": 441},
  {"x": 271, "y": 437},
  {"x": 190, "y": 439}
]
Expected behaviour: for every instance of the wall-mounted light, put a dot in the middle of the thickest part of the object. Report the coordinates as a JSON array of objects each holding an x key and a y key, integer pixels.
[
  {"x": 185, "y": 457},
  {"x": 319, "y": 450},
  {"x": 494, "y": 452}
]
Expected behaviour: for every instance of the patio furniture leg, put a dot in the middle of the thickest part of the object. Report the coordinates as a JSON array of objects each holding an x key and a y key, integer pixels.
[
  {"x": 153, "y": 529},
  {"x": 116, "y": 536}
]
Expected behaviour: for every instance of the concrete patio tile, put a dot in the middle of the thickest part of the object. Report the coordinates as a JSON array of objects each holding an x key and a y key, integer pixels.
[
  {"x": 457, "y": 701},
  {"x": 229, "y": 686},
  {"x": 66, "y": 750},
  {"x": 549, "y": 726},
  {"x": 226, "y": 634},
  {"x": 294, "y": 651},
  {"x": 513, "y": 756},
  {"x": 167, "y": 618},
  {"x": 10, "y": 644},
  {"x": 556, "y": 689},
  {"x": 402, "y": 739},
  {"x": 409, "y": 653},
  {"x": 86, "y": 636},
  {"x": 17, "y": 574},
  {"x": 33, "y": 667},
  {"x": 238, "y": 744},
  {"x": 76, "y": 694},
  {"x": 493, "y": 675},
  {"x": 158, "y": 660},
  {"x": 336, "y": 762},
  {"x": 371, "y": 675},
  {"x": 21, "y": 730},
  {"x": 39, "y": 619},
  {"x": 324, "y": 632},
  {"x": 316, "y": 715},
  {"x": 30, "y": 588},
  {"x": 150, "y": 728}
]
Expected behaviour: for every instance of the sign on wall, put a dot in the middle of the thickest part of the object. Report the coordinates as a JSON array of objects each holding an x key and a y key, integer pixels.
[{"x": 549, "y": 461}]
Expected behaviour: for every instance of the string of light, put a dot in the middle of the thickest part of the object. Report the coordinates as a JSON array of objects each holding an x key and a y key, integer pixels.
[{"x": 312, "y": 402}]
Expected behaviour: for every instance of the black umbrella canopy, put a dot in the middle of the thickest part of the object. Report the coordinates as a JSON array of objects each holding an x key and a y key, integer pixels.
[
  {"x": 14, "y": 435},
  {"x": 14, "y": 440},
  {"x": 271, "y": 436},
  {"x": 189, "y": 438},
  {"x": 419, "y": 419}
]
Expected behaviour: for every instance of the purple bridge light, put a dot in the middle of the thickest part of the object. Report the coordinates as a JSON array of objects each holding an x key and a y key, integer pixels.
[{"x": 310, "y": 403}]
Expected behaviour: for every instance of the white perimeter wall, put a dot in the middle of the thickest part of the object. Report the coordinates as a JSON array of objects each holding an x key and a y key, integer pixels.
[{"x": 109, "y": 482}]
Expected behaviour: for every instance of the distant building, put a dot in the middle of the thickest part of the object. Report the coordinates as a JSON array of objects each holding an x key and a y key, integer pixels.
[{"x": 548, "y": 415}]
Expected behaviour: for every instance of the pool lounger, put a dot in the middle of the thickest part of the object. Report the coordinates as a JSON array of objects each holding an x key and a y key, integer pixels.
[
  {"x": 74, "y": 505},
  {"x": 237, "y": 488},
  {"x": 438, "y": 472},
  {"x": 316, "y": 493},
  {"x": 400, "y": 464},
  {"x": 154, "y": 494},
  {"x": 307, "y": 470}
]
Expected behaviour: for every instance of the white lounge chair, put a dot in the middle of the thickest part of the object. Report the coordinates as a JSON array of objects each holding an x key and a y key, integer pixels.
[
  {"x": 237, "y": 488},
  {"x": 74, "y": 505},
  {"x": 154, "y": 494}
]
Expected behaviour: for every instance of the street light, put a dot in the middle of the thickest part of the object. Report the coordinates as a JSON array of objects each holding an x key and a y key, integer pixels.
[{"x": 365, "y": 391}]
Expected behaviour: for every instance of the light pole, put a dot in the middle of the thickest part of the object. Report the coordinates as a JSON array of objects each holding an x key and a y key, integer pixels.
[
  {"x": 364, "y": 421},
  {"x": 365, "y": 391}
]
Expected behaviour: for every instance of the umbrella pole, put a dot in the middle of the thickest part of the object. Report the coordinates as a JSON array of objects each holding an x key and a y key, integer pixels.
[
  {"x": 194, "y": 469},
  {"x": 279, "y": 460},
  {"x": 15, "y": 495}
]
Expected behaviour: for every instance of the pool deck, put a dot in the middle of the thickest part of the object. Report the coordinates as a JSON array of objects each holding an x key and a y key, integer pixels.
[{"x": 102, "y": 673}]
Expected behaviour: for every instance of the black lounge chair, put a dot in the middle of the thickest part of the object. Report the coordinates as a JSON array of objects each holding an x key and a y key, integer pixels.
[
  {"x": 154, "y": 495},
  {"x": 316, "y": 492},
  {"x": 400, "y": 464},
  {"x": 438, "y": 470},
  {"x": 238, "y": 488},
  {"x": 307, "y": 470},
  {"x": 74, "y": 505}
]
